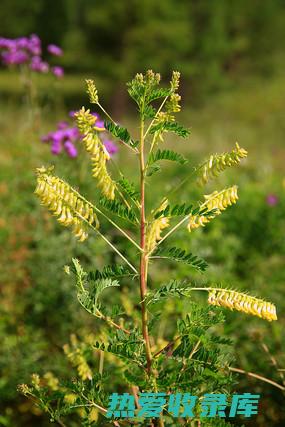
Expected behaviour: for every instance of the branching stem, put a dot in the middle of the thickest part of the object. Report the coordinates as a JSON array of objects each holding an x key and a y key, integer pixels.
[
  {"x": 108, "y": 242},
  {"x": 103, "y": 214},
  {"x": 156, "y": 114},
  {"x": 185, "y": 219},
  {"x": 144, "y": 258}
]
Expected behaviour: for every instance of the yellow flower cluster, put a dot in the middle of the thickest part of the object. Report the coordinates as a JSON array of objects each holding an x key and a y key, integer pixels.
[
  {"x": 51, "y": 381},
  {"x": 65, "y": 203},
  {"x": 242, "y": 302},
  {"x": 172, "y": 105},
  {"x": 153, "y": 233},
  {"x": 99, "y": 155},
  {"x": 151, "y": 78},
  {"x": 174, "y": 82},
  {"x": 92, "y": 91},
  {"x": 216, "y": 200},
  {"x": 218, "y": 163},
  {"x": 76, "y": 357}
]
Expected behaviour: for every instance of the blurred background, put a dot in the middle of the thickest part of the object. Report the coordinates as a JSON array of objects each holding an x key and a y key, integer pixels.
[{"x": 231, "y": 56}]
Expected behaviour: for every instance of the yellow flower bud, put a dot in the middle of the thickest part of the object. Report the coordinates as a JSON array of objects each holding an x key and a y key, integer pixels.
[
  {"x": 153, "y": 233},
  {"x": 92, "y": 91}
]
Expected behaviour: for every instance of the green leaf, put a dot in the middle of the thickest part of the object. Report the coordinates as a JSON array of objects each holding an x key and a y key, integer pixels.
[
  {"x": 149, "y": 112},
  {"x": 79, "y": 273},
  {"x": 129, "y": 188},
  {"x": 166, "y": 155},
  {"x": 128, "y": 347},
  {"x": 176, "y": 210},
  {"x": 110, "y": 271},
  {"x": 119, "y": 209},
  {"x": 119, "y": 132},
  {"x": 180, "y": 255},
  {"x": 136, "y": 91},
  {"x": 152, "y": 170},
  {"x": 170, "y": 127},
  {"x": 172, "y": 289},
  {"x": 89, "y": 290},
  {"x": 157, "y": 93},
  {"x": 89, "y": 296}
]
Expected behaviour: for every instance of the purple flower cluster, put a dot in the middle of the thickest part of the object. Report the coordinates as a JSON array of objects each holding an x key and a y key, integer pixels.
[
  {"x": 66, "y": 136},
  {"x": 28, "y": 50},
  {"x": 63, "y": 138},
  {"x": 272, "y": 200}
]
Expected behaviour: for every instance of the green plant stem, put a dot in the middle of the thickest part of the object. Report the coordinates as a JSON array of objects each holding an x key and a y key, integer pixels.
[
  {"x": 101, "y": 362},
  {"x": 101, "y": 316},
  {"x": 101, "y": 213},
  {"x": 100, "y": 408},
  {"x": 273, "y": 361},
  {"x": 143, "y": 258},
  {"x": 116, "y": 250},
  {"x": 119, "y": 228},
  {"x": 156, "y": 114},
  {"x": 258, "y": 377},
  {"x": 172, "y": 230},
  {"x": 185, "y": 219},
  {"x": 61, "y": 423},
  {"x": 108, "y": 242},
  {"x": 111, "y": 322}
]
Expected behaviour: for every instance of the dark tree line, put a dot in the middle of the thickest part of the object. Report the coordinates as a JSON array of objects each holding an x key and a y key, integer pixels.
[{"x": 208, "y": 41}]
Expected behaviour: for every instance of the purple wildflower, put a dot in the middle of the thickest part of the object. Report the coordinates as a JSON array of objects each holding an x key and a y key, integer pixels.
[
  {"x": 70, "y": 149},
  {"x": 272, "y": 200},
  {"x": 58, "y": 71},
  {"x": 6, "y": 43},
  {"x": 22, "y": 43},
  {"x": 35, "y": 45},
  {"x": 110, "y": 146},
  {"x": 72, "y": 134},
  {"x": 56, "y": 146},
  {"x": 99, "y": 123},
  {"x": 37, "y": 64},
  {"x": 47, "y": 138},
  {"x": 62, "y": 125},
  {"x": 28, "y": 50},
  {"x": 54, "y": 50},
  {"x": 14, "y": 57},
  {"x": 65, "y": 136}
]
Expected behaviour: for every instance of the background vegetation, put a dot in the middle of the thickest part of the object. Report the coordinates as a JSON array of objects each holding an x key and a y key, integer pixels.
[{"x": 232, "y": 58}]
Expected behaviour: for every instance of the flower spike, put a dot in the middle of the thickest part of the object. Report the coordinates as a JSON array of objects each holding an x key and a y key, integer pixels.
[
  {"x": 65, "y": 203},
  {"x": 242, "y": 302},
  {"x": 99, "y": 155},
  {"x": 153, "y": 233},
  {"x": 92, "y": 91},
  {"x": 218, "y": 163},
  {"x": 214, "y": 201}
]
